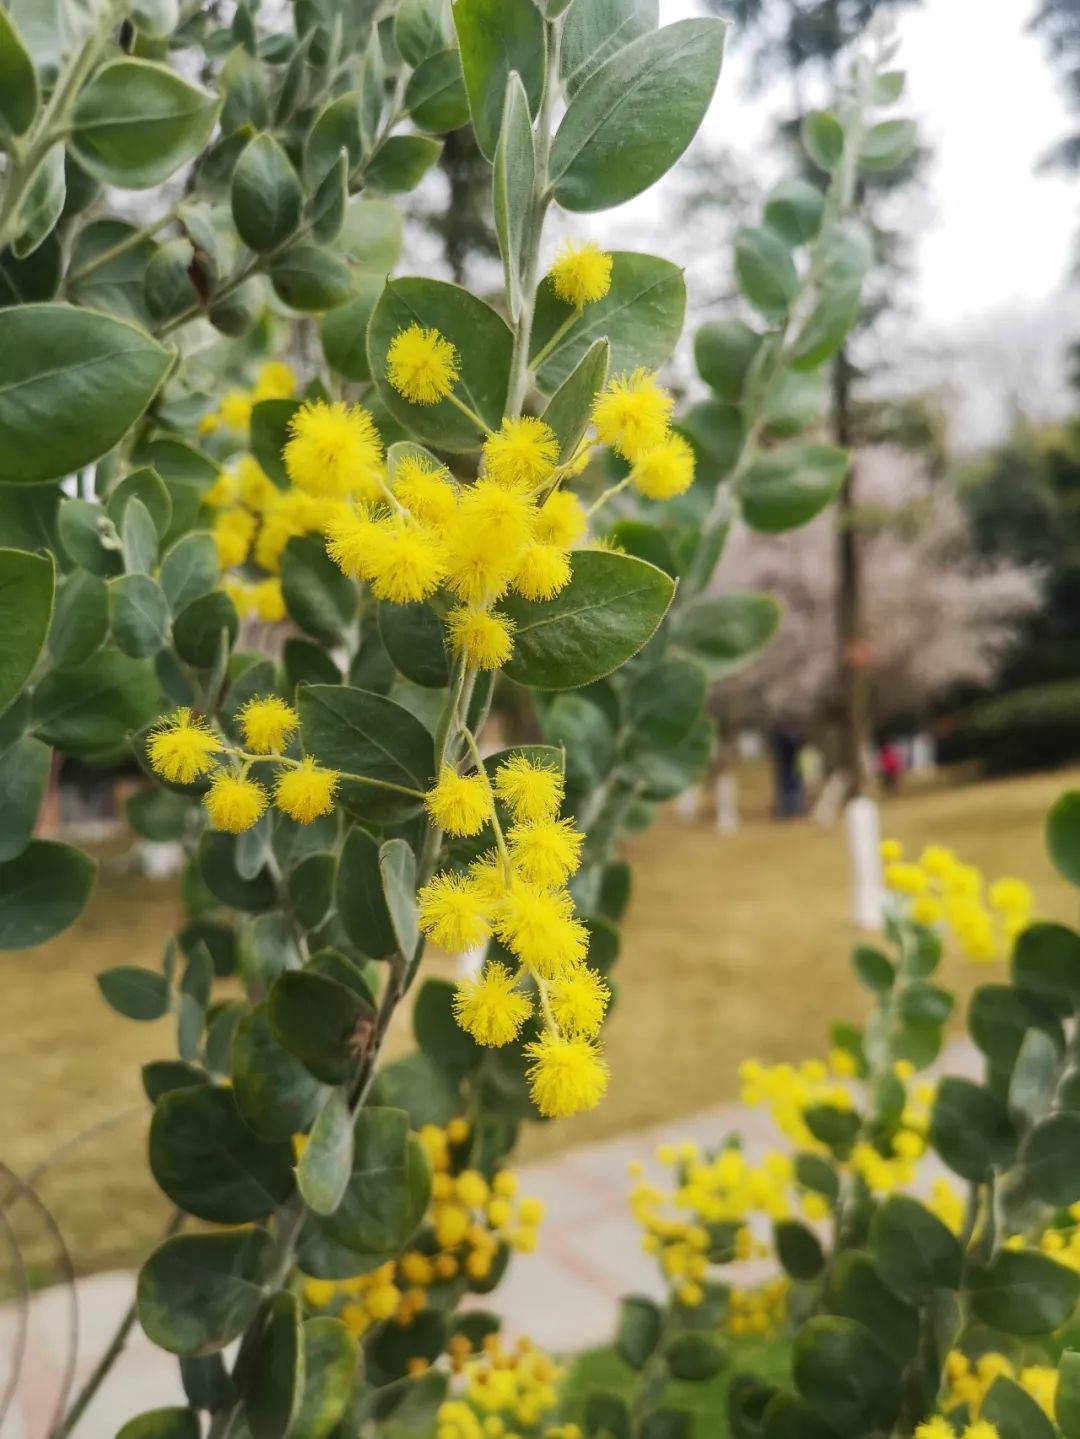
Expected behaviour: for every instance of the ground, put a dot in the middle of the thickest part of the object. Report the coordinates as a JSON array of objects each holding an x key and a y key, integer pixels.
[{"x": 735, "y": 946}]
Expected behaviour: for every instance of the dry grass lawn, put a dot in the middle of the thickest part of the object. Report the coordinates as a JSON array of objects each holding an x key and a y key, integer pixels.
[{"x": 734, "y": 947}]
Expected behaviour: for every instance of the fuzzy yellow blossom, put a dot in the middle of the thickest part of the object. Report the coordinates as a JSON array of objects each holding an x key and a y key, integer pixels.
[
  {"x": 485, "y": 638},
  {"x": 459, "y": 804},
  {"x": 224, "y": 491},
  {"x": 545, "y": 853},
  {"x": 181, "y": 747},
  {"x": 268, "y": 600},
  {"x": 490, "y": 1008},
  {"x": 232, "y": 534},
  {"x": 566, "y": 1075},
  {"x": 422, "y": 365},
  {"x": 632, "y": 414},
  {"x": 451, "y": 913},
  {"x": 407, "y": 563},
  {"x": 926, "y": 910},
  {"x": 354, "y": 543},
  {"x": 275, "y": 380},
  {"x": 488, "y": 879},
  {"x": 522, "y": 453},
  {"x": 561, "y": 520},
  {"x": 267, "y": 724},
  {"x": 506, "y": 516},
  {"x": 544, "y": 570},
  {"x": 905, "y": 878},
  {"x": 580, "y": 274},
  {"x": 233, "y": 802},
  {"x": 254, "y": 487},
  {"x": 532, "y": 792},
  {"x": 890, "y": 850},
  {"x": 235, "y": 409},
  {"x": 579, "y": 1001},
  {"x": 334, "y": 450},
  {"x": 665, "y": 471},
  {"x": 307, "y": 791},
  {"x": 981, "y": 1429},
  {"x": 426, "y": 490},
  {"x": 936, "y": 1428},
  {"x": 539, "y": 927}
]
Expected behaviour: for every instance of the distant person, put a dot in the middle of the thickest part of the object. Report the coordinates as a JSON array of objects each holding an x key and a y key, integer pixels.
[
  {"x": 890, "y": 765},
  {"x": 789, "y": 800}
]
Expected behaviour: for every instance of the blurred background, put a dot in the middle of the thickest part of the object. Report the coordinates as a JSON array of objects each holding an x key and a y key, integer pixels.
[{"x": 960, "y": 532}]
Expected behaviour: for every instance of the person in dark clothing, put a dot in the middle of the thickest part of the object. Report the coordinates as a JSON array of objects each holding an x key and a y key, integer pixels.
[{"x": 789, "y": 799}]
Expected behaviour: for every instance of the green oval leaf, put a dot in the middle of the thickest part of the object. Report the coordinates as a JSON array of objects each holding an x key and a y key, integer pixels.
[
  {"x": 595, "y": 30},
  {"x": 725, "y": 632},
  {"x": 277, "y": 1375},
  {"x": 209, "y": 1162},
  {"x": 514, "y": 183},
  {"x": 322, "y": 1173},
  {"x": 265, "y": 196},
  {"x": 197, "y": 1292},
  {"x": 845, "y": 1376},
  {"x": 790, "y": 485},
  {"x": 42, "y": 891},
  {"x": 162, "y": 1424},
  {"x": 137, "y": 122},
  {"x": 275, "y": 1093},
  {"x": 376, "y": 742},
  {"x": 611, "y": 607},
  {"x": 641, "y": 317},
  {"x": 483, "y": 343},
  {"x": 496, "y": 37},
  {"x": 139, "y": 615},
  {"x": 635, "y": 115},
  {"x": 26, "y": 604},
  {"x": 72, "y": 382},
  {"x": 765, "y": 270},
  {"x": 330, "y": 1358},
  {"x": 1023, "y": 1292},
  {"x": 18, "y": 80},
  {"x": 135, "y": 993}
]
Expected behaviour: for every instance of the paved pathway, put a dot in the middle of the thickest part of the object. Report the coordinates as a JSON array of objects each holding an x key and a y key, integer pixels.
[{"x": 564, "y": 1296}]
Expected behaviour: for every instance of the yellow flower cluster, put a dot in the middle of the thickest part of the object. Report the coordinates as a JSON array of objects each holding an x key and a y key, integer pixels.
[
  {"x": 939, "y": 1428},
  {"x": 182, "y": 747},
  {"x": 516, "y": 891},
  {"x": 723, "y": 1189},
  {"x": 761, "y": 1311},
  {"x": 937, "y": 889},
  {"x": 968, "y": 1381},
  {"x": 467, "y": 1220},
  {"x": 275, "y": 380},
  {"x": 789, "y": 1091},
  {"x": 580, "y": 274},
  {"x": 505, "y": 1392}
]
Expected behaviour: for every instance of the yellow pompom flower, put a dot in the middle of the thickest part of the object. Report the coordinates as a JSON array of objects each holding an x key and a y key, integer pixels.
[
  {"x": 268, "y": 600},
  {"x": 632, "y": 414},
  {"x": 267, "y": 724},
  {"x": 451, "y": 913},
  {"x": 504, "y": 517},
  {"x": 580, "y": 274},
  {"x": 981, "y": 1429},
  {"x": 478, "y": 572},
  {"x": 422, "y": 365},
  {"x": 459, "y": 803},
  {"x": 905, "y": 878},
  {"x": 275, "y": 381},
  {"x": 545, "y": 853},
  {"x": 561, "y": 520},
  {"x": 484, "y": 638},
  {"x": 927, "y": 910},
  {"x": 234, "y": 803},
  {"x": 890, "y": 850},
  {"x": 253, "y": 485},
  {"x": 579, "y": 1001},
  {"x": 232, "y": 533},
  {"x": 935, "y": 1428},
  {"x": 522, "y": 453},
  {"x": 664, "y": 472},
  {"x": 354, "y": 543},
  {"x": 426, "y": 491},
  {"x": 490, "y": 1008},
  {"x": 532, "y": 792},
  {"x": 540, "y": 929},
  {"x": 544, "y": 571},
  {"x": 181, "y": 747},
  {"x": 565, "y": 1076},
  {"x": 334, "y": 450},
  {"x": 224, "y": 491},
  {"x": 235, "y": 409},
  {"x": 406, "y": 563},
  {"x": 307, "y": 791},
  {"x": 488, "y": 879}
]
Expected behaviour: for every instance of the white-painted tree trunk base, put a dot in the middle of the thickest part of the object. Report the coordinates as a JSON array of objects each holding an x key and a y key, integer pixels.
[
  {"x": 688, "y": 804},
  {"x": 864, "y": 846},
  {"x": 727, "y": 804},
  {"x": 471, "y": 962},
  {"x": 827, "y": 807},
  {"x": 160, "y": 859}
]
